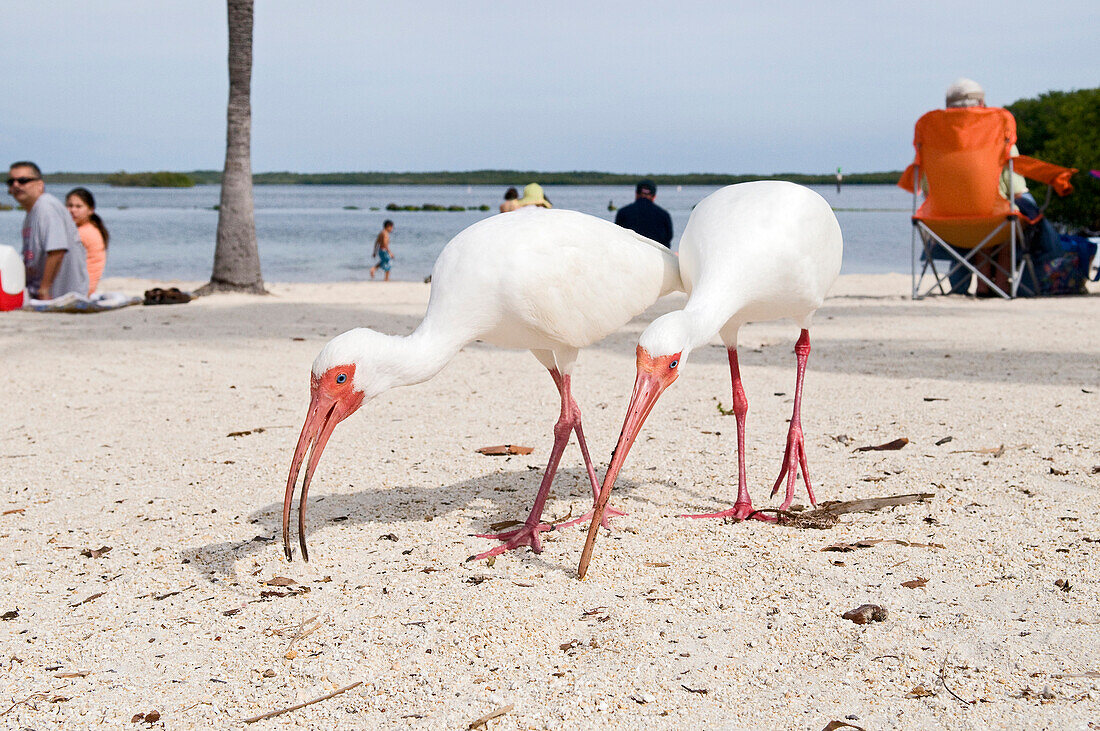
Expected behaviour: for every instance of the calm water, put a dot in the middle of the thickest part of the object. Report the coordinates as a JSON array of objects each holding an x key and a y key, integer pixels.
[{"x": 306, "y": 234}]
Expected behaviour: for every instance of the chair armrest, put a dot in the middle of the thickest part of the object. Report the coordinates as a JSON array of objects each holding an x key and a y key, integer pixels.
[
  {"x": 1056, "y": 176},
  {"x": 906, "y": 180}
]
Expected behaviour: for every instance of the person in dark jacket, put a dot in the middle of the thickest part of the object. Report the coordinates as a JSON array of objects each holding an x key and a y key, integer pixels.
[{"x": 646, "y": 217}]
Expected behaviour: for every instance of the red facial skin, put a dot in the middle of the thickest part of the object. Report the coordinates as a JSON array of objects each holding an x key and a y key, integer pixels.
[
  {"x": 331, "y": 401},
  {"x": 654, "y": 376}
]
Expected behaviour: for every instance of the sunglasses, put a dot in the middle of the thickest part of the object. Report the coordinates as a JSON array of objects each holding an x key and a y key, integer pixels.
[{"x": 21, "y": 181}]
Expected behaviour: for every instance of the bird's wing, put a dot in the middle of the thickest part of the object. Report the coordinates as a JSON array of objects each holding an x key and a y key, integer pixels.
[
  {"x": 770, "y": 246},
  {"x": 542, "y": 278}
]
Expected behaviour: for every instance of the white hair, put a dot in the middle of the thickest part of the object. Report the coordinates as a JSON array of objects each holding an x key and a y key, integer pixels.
[{"x": 965, "y": 92}]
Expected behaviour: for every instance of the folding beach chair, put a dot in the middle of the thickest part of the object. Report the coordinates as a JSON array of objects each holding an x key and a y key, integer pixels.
[{"x": 960, "y": 154}]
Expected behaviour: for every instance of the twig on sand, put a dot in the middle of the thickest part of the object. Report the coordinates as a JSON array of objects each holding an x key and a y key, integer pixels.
[
  {"x": 555, "y": 521},
  {"x": 481, "y": 722},
  {"x": 304, "y": 631},
  {"x": 943, "y": 681},
  {"x": 25, "y": 701},
  {"x": 271, "y": 714}
]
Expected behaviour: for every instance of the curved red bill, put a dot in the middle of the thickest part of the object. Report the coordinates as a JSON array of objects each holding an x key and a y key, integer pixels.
[
  {"x": 654, "y": 376},
  {"x": 325, "y": 412}
]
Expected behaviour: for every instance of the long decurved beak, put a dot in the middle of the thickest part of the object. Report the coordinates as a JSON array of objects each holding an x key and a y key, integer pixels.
[
  {"x": 648, "y": 387},
  {"x": 325, "y": 412}
]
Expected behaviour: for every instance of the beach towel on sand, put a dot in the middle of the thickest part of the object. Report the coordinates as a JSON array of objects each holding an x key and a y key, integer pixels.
[{"x": 73, "y": 302}]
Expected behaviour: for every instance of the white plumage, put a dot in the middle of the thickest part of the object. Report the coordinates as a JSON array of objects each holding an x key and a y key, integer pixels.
[
  {"x": 752, "y": 252},
  {"x": 551, "y": 281},
  {"x": 758, "y": 251}
]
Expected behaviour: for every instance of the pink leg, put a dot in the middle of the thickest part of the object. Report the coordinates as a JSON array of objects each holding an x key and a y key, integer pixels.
[
  {"x": 742, "y": 509},
  {"x": 528, "y": 535},
  {"x": 795, "y": 455},
  {"x": 610, "y": 512}
]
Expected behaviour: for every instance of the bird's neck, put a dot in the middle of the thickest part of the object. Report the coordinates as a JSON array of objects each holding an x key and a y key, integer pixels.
[
  {"x": 708, "y": 316},
  {"x": 702, "y": 331},
  {"x": 699, "y": 325},
  {"x": 423, "y": 354}
]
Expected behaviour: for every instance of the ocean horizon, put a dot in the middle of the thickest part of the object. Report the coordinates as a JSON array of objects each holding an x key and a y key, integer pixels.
[{"x": 312, "y": 233}]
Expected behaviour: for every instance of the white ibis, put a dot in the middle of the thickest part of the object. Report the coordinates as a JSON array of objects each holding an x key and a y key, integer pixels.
[
  {"x": 551, "y": 281},
  {"x": 766, "y": 250}
]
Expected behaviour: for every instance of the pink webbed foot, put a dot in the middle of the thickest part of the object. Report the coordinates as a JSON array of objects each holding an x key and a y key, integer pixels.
[
  {"x": 609, "y": 512},
  {"x": 739, "y": 512},
  {"x": 527, "y": 535},
  {"x": 794, "y": 459}
]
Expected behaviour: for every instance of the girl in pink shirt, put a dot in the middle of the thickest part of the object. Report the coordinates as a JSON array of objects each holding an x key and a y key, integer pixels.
[{"x": 93, "y": 234}]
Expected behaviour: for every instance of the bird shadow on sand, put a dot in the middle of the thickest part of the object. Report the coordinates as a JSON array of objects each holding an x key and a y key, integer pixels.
[
  {"x": 264, "y": 319},
  {"x": 913, "y": 360},
  {"x": 461, "y": 509}
]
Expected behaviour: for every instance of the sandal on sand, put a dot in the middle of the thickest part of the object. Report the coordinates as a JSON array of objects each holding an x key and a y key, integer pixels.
[{"x": 172, "y": 296}]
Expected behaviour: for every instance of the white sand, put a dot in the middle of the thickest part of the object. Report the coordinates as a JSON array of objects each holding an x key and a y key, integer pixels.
[{"x": 115, "y": 433}]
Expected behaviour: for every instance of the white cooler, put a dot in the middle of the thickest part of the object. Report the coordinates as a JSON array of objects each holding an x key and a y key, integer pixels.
[{"x": 13, "y": 279}]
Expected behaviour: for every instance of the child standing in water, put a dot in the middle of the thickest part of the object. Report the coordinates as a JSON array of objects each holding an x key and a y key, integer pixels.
[{"x": 382, "y": 250}]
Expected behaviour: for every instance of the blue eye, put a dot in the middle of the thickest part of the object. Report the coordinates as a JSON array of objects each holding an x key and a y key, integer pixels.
[
  {"x": 673, "y": 364},
  {"x": 341, "y": 378}
]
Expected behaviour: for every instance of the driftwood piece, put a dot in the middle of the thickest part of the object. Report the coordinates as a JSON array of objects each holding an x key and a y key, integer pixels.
[
  {"x": 867, "y": 505},
  {"x": 271, "y": 714},
  {"x": 828, "y": 514}
]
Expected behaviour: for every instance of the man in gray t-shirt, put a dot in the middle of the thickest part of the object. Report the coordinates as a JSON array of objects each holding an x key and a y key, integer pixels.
[{"x": 54, "y": 258}]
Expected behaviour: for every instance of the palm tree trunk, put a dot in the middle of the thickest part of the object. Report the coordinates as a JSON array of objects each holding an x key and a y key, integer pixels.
[{"x": 236, "y": 256}]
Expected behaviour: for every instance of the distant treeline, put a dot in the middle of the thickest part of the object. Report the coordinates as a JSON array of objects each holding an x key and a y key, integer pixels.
[
  {"x": 161, "y": 179},
  {"x": 1063, "y": 127},
  {"x": 469, "y": 177}
]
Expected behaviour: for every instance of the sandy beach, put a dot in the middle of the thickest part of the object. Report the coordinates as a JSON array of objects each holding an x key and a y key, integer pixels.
[{"x": 165, "y": 435}]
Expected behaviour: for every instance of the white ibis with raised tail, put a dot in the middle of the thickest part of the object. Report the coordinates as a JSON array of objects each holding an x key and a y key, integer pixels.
[
  {"x": 551, "y": 281},
  {"x": 752, "y": 252}
]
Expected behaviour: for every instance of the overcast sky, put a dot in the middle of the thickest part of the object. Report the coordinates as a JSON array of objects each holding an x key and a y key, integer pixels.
[{"x": 733, "y": 87}]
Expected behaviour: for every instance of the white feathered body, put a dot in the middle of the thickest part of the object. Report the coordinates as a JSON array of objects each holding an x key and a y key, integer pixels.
[
  {"x": 757, "y": 251},
  {"x": 751, "y": 252},
  {"x": 542, "y": 279}
]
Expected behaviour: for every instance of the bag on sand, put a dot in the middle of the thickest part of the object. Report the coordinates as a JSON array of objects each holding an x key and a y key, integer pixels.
[{"x": 1062, "y": 272}]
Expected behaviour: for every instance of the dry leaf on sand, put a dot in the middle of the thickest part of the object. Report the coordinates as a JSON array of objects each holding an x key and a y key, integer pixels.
[
  {"x": 834, "y": 725},
  {"x": 888, "y": 446},
  {"x": 280, "y": 581},
  {"x": 505, "y": 449}
]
